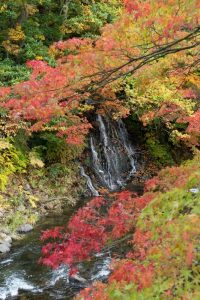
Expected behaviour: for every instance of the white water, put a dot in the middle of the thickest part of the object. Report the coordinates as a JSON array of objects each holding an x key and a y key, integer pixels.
[
  {"x": 113, "y": 163},
  {"x": 13, "y": 284},
  {"x": 89, "y": 182},
  {"x": 113, "y": 155}
]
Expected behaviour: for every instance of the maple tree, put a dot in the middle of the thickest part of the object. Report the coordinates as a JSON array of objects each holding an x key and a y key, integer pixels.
[
  {"x": 134, "y": 67},
  {"x": 53, "y": 97},
  {"x": 91, "y": 228},
  {"x": 163, "y": 260},
  {"x": 161, "y": 226}
]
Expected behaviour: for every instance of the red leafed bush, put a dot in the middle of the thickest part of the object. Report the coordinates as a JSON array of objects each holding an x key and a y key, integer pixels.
[{"x": 102, "y": 219}]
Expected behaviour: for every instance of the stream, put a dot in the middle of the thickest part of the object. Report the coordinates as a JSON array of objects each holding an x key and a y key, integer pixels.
[
  {"x": 112, "y": 164},
  {"x": 22, "y": 277}
]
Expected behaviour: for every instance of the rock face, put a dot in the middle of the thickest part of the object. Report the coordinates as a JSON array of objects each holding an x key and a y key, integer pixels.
[
  {"x": 5, "y": 243},
  {"x": 25, "y": 228}
]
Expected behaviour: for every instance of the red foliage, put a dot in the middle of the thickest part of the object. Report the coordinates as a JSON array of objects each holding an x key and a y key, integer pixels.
[
  {"x": 142, "y": 242},
  {"x": 189, "y": 94},
  {"x": 97, "y": 292},
  {"x": 75, "y": 134},
  {"x": 52, "y": 233},
  {"x": 194, "y": 123},
  {"x": 4, "y": 92},
  {"x": 92, "y": 226},
  {"x": 88, "y": 68},
  {"x": 151, "y": 184},
  {"x": 170, "y": 177},
  {"x": 129, "y": 272},
  {"x": 131, "y": 5}
]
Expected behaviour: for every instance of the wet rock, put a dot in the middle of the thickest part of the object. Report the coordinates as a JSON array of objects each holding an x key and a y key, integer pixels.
[
  {"x": 5, "y": 243},
  {"x": 4, "y": 230},
  {"x": 25, "y": 228},
  {"x": 4, "y": 248},
  {"x": 194, "y": 190},
  {"x": 5, "y": 237},
  {"x": 79, "y": 278}
]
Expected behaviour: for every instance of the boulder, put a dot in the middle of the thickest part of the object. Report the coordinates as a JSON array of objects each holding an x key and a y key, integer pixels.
[
  {"x": 5, "y": 242},
  {"x": 194, "y": 190},
  {"x": 25, "y": 228},
  {"x": 4, "y": 238},
  {"x": 4, "y": 247}
]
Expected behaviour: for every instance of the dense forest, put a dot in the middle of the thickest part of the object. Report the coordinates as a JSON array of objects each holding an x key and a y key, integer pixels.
[{"x": 132, "y": 68}]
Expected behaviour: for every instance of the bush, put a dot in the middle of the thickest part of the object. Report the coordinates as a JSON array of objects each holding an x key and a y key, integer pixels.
[
  {"x": 12, "y": 73},
  {"x": 11, "y": 161}
]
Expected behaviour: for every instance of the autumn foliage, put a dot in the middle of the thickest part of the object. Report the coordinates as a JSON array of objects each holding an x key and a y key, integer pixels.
[
  {"x": 163, "y": 262},
  {"x": 161, "y": 227},
  {"x": 54, "y": 98},
  {"x": 144, "y": 64},
  {"x": 100, "y": 221}
]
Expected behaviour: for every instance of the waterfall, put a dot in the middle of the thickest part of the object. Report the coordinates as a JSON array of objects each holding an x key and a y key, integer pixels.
[
  {"x": 112, "y": 155},
  {"x": 89, "y": 182},
  {"x": 128, "y": 146}
]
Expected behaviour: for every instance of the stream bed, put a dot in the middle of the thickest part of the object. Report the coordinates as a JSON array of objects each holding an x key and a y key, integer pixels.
[
  {"x": 113, "y": 162},
  {"x": 22, "y": 277}
]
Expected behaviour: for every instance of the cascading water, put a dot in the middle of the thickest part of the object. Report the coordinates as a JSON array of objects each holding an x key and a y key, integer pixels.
[
  {"x": 89, "y": 182},
  {"x": 113, "y": 163},
  {"x": 112, "y": 154},
  {"x": 21, "y": 277}
]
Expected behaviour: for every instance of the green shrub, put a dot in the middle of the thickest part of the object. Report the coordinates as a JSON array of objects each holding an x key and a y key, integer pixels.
[
  {"x": 11, "y": 161},
  {"x": 159, "y": 151},
  {"x": 58, "y": 151},
  {"x": 12, "y": 73}
]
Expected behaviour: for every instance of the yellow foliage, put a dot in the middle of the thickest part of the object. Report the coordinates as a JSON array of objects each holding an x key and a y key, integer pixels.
[
  {"x": 86, "y": 107},
  {"x": 3, "y": 8},
  {"x": 31, "y": 9},
  {"x": 33, "y": 199},
  {"x": 32, "y": 219},
  {"x": 39, "y": 57},
  {"x": 16, "y": 34},
  {"x": 11, "y": 161},
  {"x": 86, "y": 10},
  {"x": 40, "y": 37},
  {"x": 195, "y": 80},
  {"x": 4, "y": 203},
  {"x": 54, "y": 52},
  {"x": 10, "y": 47},
  {"x": 35, "y": 161},
  {"x": 4, "y": 144}
]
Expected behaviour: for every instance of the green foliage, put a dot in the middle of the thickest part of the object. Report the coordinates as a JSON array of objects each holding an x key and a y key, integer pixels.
[
  {"x": 160, "y": 152},
  {"x": 16, "y": 220},
  {"x": 11, "y": 161},
  {"x": 169, "y": 206},
  {"x": 29, "y": 27},
  {"x": 12, "y": 73},
  {"x": 58, "y": 170},
  {"x": 58, "y": 151},
  {"x": 85, "y": 18},
  {"x": 20, "y": 141},
  {"x": 164, "y": 261}
]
